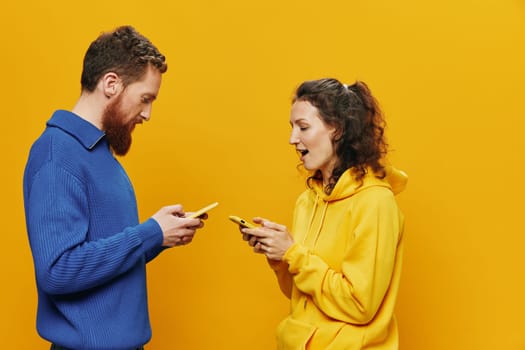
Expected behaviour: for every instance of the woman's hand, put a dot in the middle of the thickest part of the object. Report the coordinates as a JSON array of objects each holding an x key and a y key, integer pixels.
[{"x": 270, "y": 239}]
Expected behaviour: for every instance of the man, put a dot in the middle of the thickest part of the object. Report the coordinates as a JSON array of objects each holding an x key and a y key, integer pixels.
[{"x": 88, "y": 246}]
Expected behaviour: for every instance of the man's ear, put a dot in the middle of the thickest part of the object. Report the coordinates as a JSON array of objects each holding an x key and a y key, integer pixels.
[{"x": 111, "y": 84}]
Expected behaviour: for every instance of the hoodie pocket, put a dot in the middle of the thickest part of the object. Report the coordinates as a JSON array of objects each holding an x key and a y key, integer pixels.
[{"x": 293, "y": 334}]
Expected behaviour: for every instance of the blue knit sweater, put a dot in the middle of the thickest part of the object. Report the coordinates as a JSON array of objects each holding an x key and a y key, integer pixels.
[{"x": 88, "y": 247}]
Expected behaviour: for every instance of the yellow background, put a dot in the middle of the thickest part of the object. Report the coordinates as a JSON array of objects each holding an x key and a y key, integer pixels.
[{"x": 449, "y": 75}]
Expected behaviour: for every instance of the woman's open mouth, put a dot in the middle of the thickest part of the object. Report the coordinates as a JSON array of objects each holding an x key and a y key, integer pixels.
[{"x": 302, "y": 152}]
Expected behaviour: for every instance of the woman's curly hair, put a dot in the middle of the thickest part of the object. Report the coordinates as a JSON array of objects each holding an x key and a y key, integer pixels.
[
  {"x": 359, "y": 139},
  {"x": 123, "y": 51}
]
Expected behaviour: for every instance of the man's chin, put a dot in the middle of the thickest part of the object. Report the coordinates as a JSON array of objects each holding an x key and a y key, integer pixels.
[
  {"x": 121, "y": 150},
  {"x": 119, "y": 140}
]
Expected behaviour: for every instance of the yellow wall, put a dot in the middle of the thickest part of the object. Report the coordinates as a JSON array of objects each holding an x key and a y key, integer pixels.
[{"x": 449, "y": 74}]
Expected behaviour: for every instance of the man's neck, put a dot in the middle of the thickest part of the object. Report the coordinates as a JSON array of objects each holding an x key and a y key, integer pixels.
[{"x": 90, "y": 106}]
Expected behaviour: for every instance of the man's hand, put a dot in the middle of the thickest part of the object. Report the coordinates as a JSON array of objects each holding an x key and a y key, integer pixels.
[{"x": 177, "y": 229}]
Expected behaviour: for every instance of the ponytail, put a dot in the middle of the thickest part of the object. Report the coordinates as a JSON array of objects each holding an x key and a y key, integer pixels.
[
  {"x": 373, "y": 146},
  {"x": 364, "y": 94}
]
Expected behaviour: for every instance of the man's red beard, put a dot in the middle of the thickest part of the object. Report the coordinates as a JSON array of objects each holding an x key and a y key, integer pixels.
[{"x": 118, "y": 132}]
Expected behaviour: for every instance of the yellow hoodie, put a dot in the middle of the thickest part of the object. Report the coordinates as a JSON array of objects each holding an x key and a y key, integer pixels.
[{"x": 342, "y": 273}]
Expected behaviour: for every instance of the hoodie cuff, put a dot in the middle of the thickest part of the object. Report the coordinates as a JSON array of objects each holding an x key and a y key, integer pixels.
[{"x": 296, "y": 256}]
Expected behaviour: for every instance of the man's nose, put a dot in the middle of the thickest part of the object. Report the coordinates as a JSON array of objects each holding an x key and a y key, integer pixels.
[{"x": 146, "y": 113}]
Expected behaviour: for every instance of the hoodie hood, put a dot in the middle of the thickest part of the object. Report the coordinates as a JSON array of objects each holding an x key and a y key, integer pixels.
[{"x": 347, "y": 186}]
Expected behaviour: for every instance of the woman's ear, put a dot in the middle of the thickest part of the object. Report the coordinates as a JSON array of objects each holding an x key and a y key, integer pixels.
[
  {"x": 336, "y": 134},
  {"x": 111, "y": 84}
]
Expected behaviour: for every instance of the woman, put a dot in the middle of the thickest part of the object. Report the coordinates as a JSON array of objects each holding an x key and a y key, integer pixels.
[{"x": 341, "y": 263}]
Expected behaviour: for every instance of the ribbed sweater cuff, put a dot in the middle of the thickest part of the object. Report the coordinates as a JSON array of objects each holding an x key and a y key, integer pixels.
[{"x": 150, "y": 233}]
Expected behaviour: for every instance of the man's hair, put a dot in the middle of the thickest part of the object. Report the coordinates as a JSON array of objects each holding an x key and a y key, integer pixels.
[
  {"x": 123, "y": 51},
  {"x": 359, "y": 126}
]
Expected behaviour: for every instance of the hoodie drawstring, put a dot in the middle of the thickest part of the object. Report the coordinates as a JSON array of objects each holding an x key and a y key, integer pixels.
[
  {"x": 311, "y": 221},
  {"x": 323, "y": 215}
]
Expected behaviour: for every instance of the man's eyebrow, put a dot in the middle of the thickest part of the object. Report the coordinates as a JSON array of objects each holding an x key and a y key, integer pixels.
[{"x": 149, "y": 95}]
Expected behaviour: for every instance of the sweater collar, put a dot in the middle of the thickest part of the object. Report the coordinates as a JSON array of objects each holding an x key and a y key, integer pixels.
[{"x": 85, "y": 132}]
